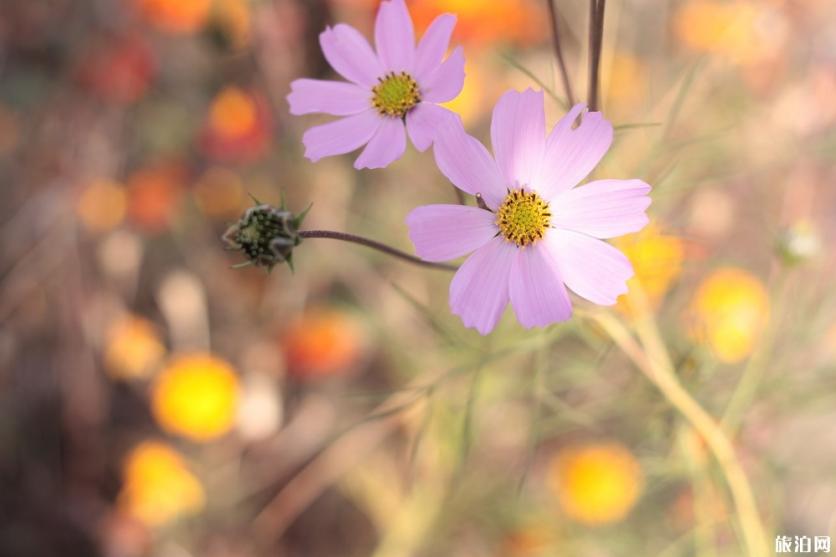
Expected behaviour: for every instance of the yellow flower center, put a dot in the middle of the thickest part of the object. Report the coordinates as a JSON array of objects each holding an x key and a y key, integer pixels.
[
  {"x": 395, "y": 94},
  {"x": 523, "y": 217}
]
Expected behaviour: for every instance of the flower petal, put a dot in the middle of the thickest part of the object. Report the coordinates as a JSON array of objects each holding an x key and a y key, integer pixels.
[
  {"x": 395, "y": 37},
  {"x": 571, "y": 154},
  {"x": 446, "y": 81},
  {"x": 433, "y": 45},
  {"x": 591, "y": 268},
  {"x": 444, "y": 232},
  {"x": 536, "y": 288},
  {"x": 387, "y": 145},
  {"x": 341, "y": 136},
  {"x": 603, "y": 209},
  {"x": 424, "y": 121},
  {"x": 467, "y": 163},
  {"x": 518, "y": 135},
  {"x": 479, "y": 291},
  {"x": 308, "y": 96},
  {"x": 350, "y": 54}
]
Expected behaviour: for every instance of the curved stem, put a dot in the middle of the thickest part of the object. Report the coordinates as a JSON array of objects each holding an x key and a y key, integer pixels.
[
  {"x": 558, "y": 52},
  {"x": 383, "y": 248},
  {"x": 652, "y": 358}
]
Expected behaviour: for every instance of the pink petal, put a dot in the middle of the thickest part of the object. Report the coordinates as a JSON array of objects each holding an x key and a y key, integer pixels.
[
  {"x": 433, "y": 45},
  {"x": 591, "y": 268},
  {"x": 467, "y": 163},
  {"x": 604, "y": 208},
  {"x": 387, "y": 145},
  {"x": 444, "y": 232},
  {"x": 536, "y": 289},
  {"x": 424, "y": 121},
  {"x": 446, "y": 81},
  {"x": 479, "y": 291},
  {"x": 571, "y": 154},
  {"x": 395, "y": 37},
  {"x": 350, "y": 55},
  {"x": 309, "y": 96},
  {"x": 518, "y": 134},
  {"x": 341, "y": 136}
]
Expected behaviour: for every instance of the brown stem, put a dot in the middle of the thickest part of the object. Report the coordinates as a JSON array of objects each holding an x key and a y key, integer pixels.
[
  {"x": 344, "y": 237},
  {"x": 596, "y": 37},
  {"x": 558, "y": 52}
]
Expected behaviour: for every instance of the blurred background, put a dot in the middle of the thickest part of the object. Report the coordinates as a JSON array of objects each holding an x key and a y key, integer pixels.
[{"x": 156, "y": 402}]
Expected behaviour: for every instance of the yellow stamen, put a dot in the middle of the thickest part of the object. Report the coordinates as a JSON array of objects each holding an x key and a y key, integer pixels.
[
  {"x": 395, "y": 94},
  {"x": 523, "y": 217}
]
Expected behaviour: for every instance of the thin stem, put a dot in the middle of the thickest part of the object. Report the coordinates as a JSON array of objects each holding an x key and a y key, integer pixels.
[
  {"x": 558, "y": 52},
  {"x": 383, "y": 248},
  {"x": 596, "y": 37},
  {"x": 652, "y": 358}
]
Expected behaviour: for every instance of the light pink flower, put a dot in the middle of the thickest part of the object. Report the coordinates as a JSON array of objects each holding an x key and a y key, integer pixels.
[
  {"x": 398, "y": 87},
  {"x": 541, "y": 234}
]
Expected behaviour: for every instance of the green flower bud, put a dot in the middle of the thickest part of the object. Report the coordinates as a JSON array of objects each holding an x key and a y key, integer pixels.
[{"x": 266, "y": 235}]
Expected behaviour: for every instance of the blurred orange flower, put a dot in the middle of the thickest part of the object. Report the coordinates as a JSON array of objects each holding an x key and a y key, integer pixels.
[
  {"x": 133, "y": 348},
  {"x": 323, "y": 343},
  {"x": 196, "y": 396},
  {"x": 597, "y": 483},
  {"x": 220, "y": 193},
  {"x": 729, "y": 312},
  {"x": 102, "y": 206},
  {"x": 175, "y": 16},
  {"x": 522, "y": 22},
  {"x": 118, "y": 69},
  {"x": 157, "y": 485},
  {"x": 237, "y": 126},
  {"x": 657, "y": 262},
  {"x": 530, "y": 540},
  {"x": 154, "y": 195}
]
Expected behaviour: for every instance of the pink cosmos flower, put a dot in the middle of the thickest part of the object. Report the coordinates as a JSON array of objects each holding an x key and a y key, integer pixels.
[
  {"x": 538, "y": 232},
  {"x": 396, "y": 88}
]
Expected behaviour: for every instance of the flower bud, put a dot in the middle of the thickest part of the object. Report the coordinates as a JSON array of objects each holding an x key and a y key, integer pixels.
[{"x": 266, "y": 235}]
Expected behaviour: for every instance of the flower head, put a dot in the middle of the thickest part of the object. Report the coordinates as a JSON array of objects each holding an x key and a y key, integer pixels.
[
  {"x": 158, "y": 485},
  {"x": 534, "y": 233},
  {"x": 266, "y": 235},
  {"x": 390, "y": 92},
  {"x": 729, "y": 312},
  {"x": 597, "y": 483},
  {"x": 196, "y": 396}
]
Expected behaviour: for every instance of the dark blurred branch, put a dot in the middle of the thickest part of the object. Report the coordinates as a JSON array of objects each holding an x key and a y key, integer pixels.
[
  {"x": 596, "y": 37},
  {"x": 558, "y": 52},
  {"x": 383, "y": 248}
]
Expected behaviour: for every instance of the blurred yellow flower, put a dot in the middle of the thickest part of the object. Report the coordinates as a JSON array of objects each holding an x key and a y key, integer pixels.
[
  {"x": 597, "y": 483},
  {"x": 734, "y": 29},
  {"x": 233, "y": 113},
  {"x": 154, "y": 195},
  {"x": 470, "y": 104},
  {"x": 323, "y": 343},
  {"x": 102, "y": 206},
  {"x": 175, "y": 16},
  {"x": 196, "y": 396},
  {"x": 133, "y": 348},
  {"x": 157, "y": 485},
  {"x": 729, "y": 312},
  {"x": 625, "y": 81},
  {"x": 657, "y": 262}
]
